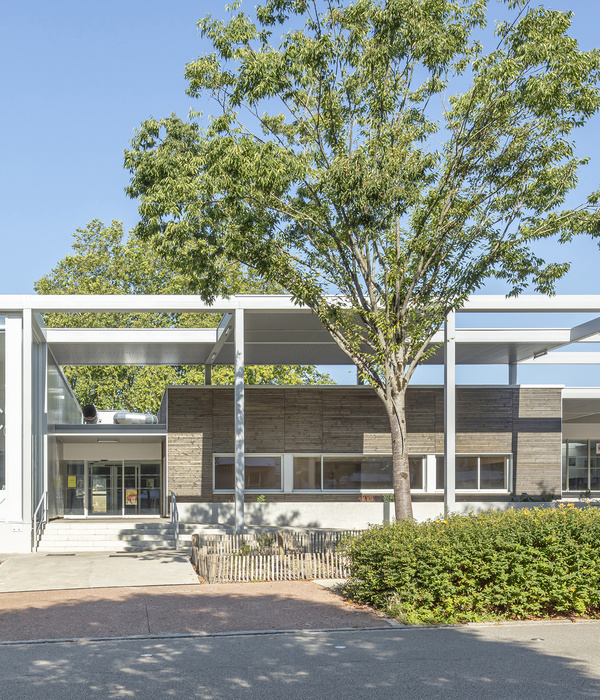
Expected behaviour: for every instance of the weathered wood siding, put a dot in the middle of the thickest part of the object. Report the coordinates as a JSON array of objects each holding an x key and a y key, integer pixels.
[
  {"x": 526, "y": 422},
  {"x": 537, "y": 437}
]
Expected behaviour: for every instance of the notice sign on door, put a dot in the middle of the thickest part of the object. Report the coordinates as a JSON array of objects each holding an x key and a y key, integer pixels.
[
  {"x": 131, "y": 497},
  {"x": 598, "y": 448},
  {"x": 71, "y": 482}
]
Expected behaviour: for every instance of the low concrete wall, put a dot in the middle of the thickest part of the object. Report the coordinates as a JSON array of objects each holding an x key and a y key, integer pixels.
[
  {"x": 15, "y": 538},
  {"x": 343, "y": 516}
]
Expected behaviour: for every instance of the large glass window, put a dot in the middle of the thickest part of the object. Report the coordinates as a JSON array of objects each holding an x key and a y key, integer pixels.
[
  {"x": 262, "y": 473},
  {"x": 72, "y": 477},
  {"x": 581, "y": 465},
  {"x": 351, "y": 472},
  {"x": 2, "y": 415},
  {"x": 476, "y": 472},
  {"x": 307, "y": 473}
]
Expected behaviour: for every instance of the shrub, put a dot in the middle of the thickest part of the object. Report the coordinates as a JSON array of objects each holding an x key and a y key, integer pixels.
[{"x": 510, "y": 565}]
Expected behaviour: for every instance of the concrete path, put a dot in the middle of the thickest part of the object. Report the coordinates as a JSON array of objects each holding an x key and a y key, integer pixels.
[
  {"x": 166, "y": 610},
  {"x": 93, "y": 595},
  {"x": 45, "y": 572}
]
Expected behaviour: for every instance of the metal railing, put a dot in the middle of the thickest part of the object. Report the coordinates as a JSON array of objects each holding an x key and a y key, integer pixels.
[
  {"x": 175, "y": 520},
  {"x": 40, "y": 518}
]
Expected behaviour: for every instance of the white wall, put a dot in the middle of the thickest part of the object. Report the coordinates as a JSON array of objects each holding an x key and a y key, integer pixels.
[
  {"x": 581, "y": 431},
  {"x": 109, "y": 450},
  {"x": 332, "y": 515}
]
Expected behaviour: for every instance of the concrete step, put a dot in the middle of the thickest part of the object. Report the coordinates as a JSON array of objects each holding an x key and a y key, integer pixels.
[
  {"x": 94, "y": 536},
  {"x": 108, "y": 547}
]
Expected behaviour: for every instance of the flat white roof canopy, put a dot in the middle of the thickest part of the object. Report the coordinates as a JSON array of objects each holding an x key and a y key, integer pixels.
[{"x": 276, "y": 331}]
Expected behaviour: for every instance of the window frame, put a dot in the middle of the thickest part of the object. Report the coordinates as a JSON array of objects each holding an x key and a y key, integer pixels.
[
  {"x": 508, "y": 475},
  {"x": 565, "y": 466},
  {"x": 280, "y": 455},
  {"x": 349, "y": 455}
]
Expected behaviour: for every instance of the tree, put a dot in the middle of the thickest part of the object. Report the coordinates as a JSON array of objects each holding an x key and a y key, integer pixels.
[
  {"x": 380, "y": 153},
  {"x": 105, "y": 263}
]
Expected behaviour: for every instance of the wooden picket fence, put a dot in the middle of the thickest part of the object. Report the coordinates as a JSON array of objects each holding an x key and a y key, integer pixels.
[
  {"x": 224, "y": 568},
  {"x": 281, "y": 556}
]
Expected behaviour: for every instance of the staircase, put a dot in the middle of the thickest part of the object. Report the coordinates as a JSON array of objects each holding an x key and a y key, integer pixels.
[{"x": 109, "y": 536}]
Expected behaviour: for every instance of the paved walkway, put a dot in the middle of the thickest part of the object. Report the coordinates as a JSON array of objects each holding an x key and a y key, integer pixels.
[
  {"x": 45, "y": 572},
  {"x": 99, "y": 595}
]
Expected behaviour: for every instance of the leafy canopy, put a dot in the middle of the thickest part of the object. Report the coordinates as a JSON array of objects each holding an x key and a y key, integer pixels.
[
  {"x": 380, "y": 161},
  {"x": 379, "y": 152},
  {"x": 105, "y": 262}
]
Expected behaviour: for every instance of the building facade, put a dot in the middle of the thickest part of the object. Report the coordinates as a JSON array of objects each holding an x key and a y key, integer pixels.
[{"x": 306, "y": 456}]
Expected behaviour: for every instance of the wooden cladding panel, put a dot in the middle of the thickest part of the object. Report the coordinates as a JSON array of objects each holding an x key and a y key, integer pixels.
[
  {"x": 537, "y": 437},
  {"x": 303, "y": 420},
  {"x": 264, "y": 428},
  {"x": 189, "y": 445},
  {"x": 348, "y": 415},
  {"x": 524, "y": 421}
]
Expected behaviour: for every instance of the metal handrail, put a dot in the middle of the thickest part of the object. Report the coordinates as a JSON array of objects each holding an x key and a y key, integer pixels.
[
  {"x": 175, "y": 520},
  {"x": 38, "y": 525}
]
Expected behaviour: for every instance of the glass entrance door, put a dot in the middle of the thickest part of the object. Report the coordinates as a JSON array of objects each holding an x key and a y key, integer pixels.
[
  {"x": 105, "y": 488},
  {"x": 120, "y": 489}
]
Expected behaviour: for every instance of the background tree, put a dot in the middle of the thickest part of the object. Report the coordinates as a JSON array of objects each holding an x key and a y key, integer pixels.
[
  {"x": 379, "y": 153},
  {"x": 104, "y": 262}
]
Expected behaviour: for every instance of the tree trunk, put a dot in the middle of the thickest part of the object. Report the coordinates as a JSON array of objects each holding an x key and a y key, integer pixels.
[{"x": 400, "y": 464}]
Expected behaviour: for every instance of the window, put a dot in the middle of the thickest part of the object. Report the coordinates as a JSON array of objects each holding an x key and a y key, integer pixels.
[
  {"x": 351, "y": 472},
  {"x": 581, "y": 465},
  {"x": 476, "y": 472},
  {"x": 261, "y": 473},
  {"x": 2, "y": 409}
]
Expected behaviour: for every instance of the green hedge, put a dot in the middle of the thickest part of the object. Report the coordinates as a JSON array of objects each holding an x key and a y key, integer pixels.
[{"x": 516, "y": 564}]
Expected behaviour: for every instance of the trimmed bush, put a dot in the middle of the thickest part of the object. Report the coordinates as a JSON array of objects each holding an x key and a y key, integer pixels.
[{"x": 525, "y": 563}]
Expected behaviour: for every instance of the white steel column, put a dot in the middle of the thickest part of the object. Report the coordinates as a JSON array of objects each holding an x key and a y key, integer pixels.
[
  {"x": 27, "y": 414},
  {"x": 512, "y": 373},
  {"x": 239, "y": 420},
  {"x": 14, "y": 418},
  {"x": 450, "y": 413}
]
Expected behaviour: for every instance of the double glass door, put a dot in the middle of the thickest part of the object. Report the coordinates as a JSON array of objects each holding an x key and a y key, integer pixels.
[
  {"x": 124, "y": 488},
  {"x": 111, "y": 488}
]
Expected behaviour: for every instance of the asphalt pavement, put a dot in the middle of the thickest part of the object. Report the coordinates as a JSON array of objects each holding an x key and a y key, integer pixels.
[{"x": 505, "y": 662}]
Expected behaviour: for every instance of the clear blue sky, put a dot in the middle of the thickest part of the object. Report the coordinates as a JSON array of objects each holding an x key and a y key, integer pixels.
[{"x": 77, "y": 78}]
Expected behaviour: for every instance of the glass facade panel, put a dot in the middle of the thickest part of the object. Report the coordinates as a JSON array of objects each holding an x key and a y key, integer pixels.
[
  {"x": 492, "y": 473},
  {"x": 416, "y": 472},
  {"x": 578, "y": 465},
  {"x": 357, "y": 472},
  {"x": 581, "y": 465},
  {"x": 466, "y": 472},
  {"x": 72, "y": 479},
  {"x": 307, "y": 473},
  {"x": 225, "y": 473},
  {"x": 594, "y": 483},
  {"x": 149, "y": 488},
  {"x": 439, "y": 472},
  {"x": 352, "y": 472},
  {"x": 474, "y": 473},
  {"x": 261, "y": 473},
  {"x": 2, "y": 416},
  {"x": 105, "y": 488}
]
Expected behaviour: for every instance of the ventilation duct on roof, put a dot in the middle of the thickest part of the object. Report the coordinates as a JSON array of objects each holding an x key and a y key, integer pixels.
[
  {"x": 90, "y": 414},
  {"x": 128, "y": 418}
]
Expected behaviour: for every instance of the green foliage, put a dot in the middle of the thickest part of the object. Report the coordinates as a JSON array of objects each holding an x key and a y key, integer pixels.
[
  {"x": 518, "y": 564},
  {"x": 105, "y": 262},
  {"x": 380, "y": 154}
]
